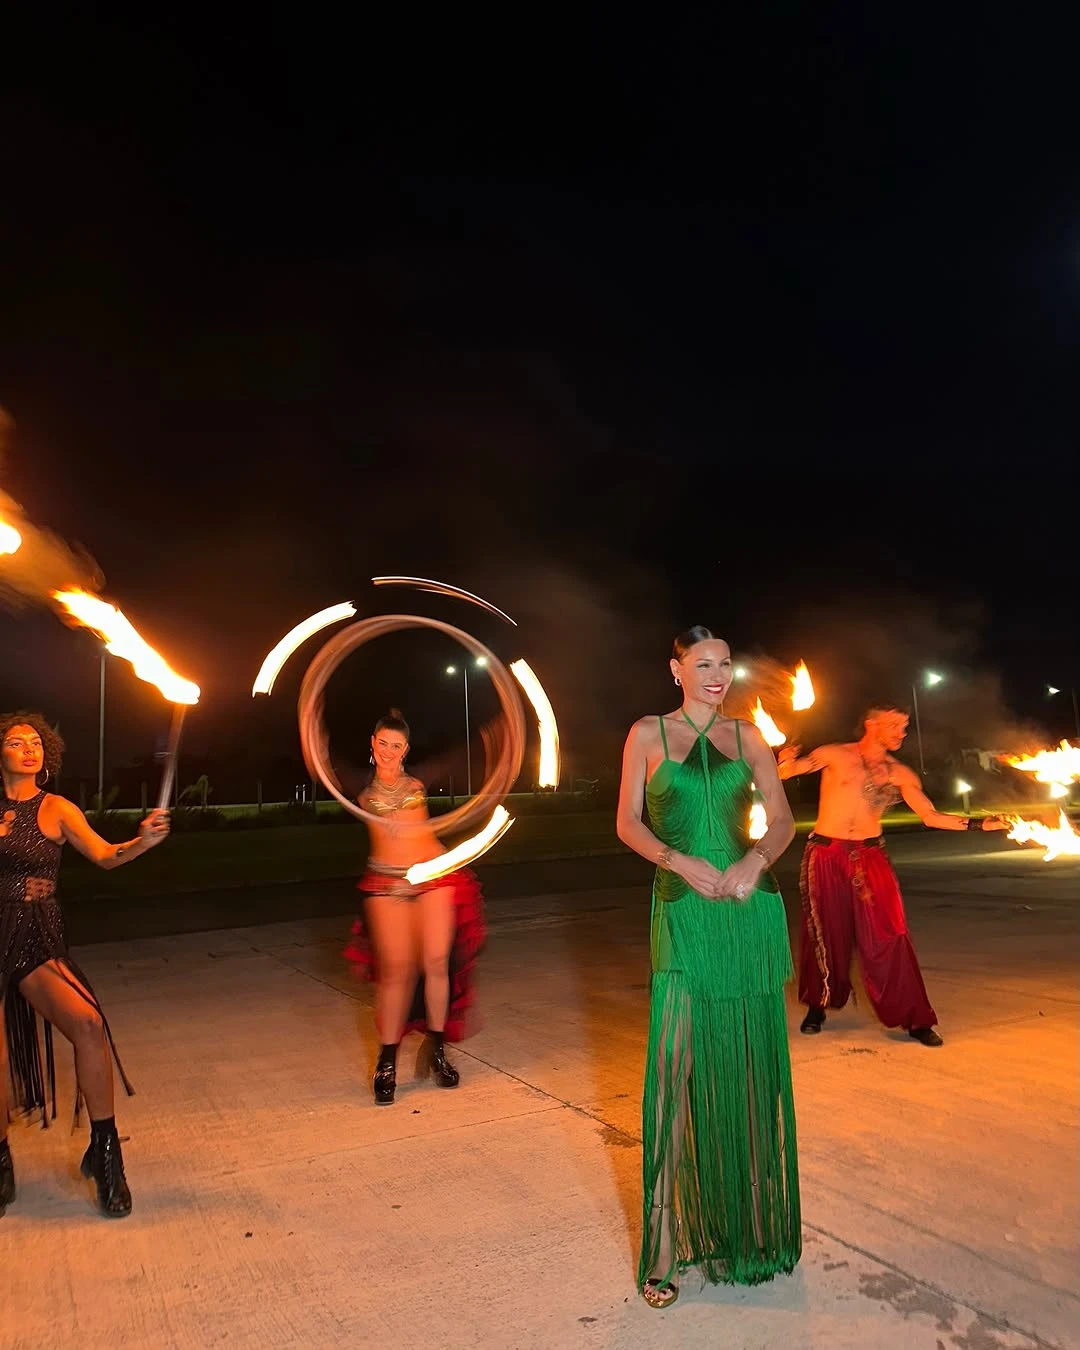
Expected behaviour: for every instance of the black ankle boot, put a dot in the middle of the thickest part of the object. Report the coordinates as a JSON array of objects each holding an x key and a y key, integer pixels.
[
  {"x": 385, "y": 1080},
  {"x": 7, "y": 1176},
  {"x": 105, "y": 1163},
  {"x": 813, "y": 1021},
  {"x": 442, "y": 1070}
]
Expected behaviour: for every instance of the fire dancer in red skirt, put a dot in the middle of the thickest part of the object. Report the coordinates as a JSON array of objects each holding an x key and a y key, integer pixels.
[
  {"x": 850, "y": 894},
  {"x": 419, "y": 943}
]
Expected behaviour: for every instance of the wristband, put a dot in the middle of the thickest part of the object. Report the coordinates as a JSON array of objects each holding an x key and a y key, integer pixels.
[{"x": 974, "y": 822}]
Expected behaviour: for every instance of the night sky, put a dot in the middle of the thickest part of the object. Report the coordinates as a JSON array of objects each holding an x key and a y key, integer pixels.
[{"x": 624, "y": 321}]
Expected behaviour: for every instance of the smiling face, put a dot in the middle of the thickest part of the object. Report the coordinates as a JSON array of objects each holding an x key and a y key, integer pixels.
[
  {"x": 23, "y": 752},
  {"x": 705, "y": 672},
  {"x": 388, "y": 749}
]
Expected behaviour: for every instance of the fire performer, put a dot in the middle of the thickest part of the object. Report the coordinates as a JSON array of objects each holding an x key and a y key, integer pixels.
[
  {"x": 850, "y": 894},
  {"x": 720, "y": 1168},
  {"x": 418, "y": 942},
  {"x": 37, "y": 974}
]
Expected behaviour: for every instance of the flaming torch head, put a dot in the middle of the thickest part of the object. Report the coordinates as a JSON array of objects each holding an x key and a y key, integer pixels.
[
  {"x": 802, "y": 689},
  {"x": 121, "y": 639},
  {"x": 1059, "y": 767},
  {"x": 1059, "y": 841},
  {"x": 10, "y": 538},
  {"x": 774, "y": 737}
]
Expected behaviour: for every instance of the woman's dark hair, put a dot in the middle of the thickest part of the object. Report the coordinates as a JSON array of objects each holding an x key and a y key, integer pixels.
[
  {"x": 51, "y": 742},
  {"x": 393, "y": 721},
  {"x": 690, "y": 638}
]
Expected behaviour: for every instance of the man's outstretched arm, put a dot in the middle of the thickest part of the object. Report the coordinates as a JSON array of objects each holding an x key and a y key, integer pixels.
[{"x": 790, "y": 765}]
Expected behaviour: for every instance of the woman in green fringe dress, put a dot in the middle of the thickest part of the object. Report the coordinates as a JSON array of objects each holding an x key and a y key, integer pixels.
[{"x": 720, "y": 1168}]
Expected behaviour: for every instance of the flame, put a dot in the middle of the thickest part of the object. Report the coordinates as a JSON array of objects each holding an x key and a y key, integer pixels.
[
  {"x": 121, "y": 639},
  {"x": 465, "y": 852},
  {"x": 768, "y": 728},
  {"x": 548, "y": 775},
  {"x": 10, "y": 538},
  {"x": 1060, "y": 766},
  {"x": 758, "y": 823},
  {"x": 802, "y": 689},
  {"x": 296, "y": 637},
  {"x": 1059, "y": 841}
]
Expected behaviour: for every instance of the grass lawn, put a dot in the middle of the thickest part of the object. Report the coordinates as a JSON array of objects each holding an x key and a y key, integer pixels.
[{"x": 210, "y": 860}]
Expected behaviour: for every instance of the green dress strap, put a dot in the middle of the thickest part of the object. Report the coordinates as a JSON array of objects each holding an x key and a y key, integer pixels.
[
  {"x": 663, "y": 737},
  {"x": 703, "y": 747},
  {"x": 700, "y": 730}
]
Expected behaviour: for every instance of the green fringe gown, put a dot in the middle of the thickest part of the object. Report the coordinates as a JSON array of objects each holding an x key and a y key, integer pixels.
[{"x": 720, "y": 1166}]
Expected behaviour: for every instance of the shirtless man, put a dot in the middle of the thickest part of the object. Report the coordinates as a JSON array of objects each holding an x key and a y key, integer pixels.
[{"x": 849, "y": 889}]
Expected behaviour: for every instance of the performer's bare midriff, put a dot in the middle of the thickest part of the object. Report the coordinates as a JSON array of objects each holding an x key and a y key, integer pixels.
[{"x": 849, "y": 891}]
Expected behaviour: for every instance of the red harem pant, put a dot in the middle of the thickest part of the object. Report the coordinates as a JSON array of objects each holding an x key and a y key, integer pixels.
[{"x": 850, "y": 894}]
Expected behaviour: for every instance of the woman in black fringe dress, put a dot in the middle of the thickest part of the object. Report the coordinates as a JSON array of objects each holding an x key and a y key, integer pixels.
[{"x": 37, "y": 974}]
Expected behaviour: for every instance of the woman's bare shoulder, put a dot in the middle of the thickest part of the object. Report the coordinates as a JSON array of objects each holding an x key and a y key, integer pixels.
[{"x": 646, "y": 729}]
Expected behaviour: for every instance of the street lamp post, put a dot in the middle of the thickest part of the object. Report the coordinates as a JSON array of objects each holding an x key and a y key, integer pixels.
[
  {"x": 481, "y": 661},
  {"x": 101, "y": 736},
  {"x": 932, "y": 678}
]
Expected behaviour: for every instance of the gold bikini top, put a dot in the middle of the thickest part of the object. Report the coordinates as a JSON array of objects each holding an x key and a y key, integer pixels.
[{"x": 406, "y": 795}]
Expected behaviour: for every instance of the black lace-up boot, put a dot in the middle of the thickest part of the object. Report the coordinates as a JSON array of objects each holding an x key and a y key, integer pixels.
[{"x": 104, "y": 1162}]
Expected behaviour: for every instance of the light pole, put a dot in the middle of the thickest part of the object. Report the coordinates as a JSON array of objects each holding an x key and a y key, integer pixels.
[
  {"x": 965, "y": 790},
  {"x": 1052, "y": 690},
  {"x": 481, "y": 661},
  {"x": 932, "y": 678},
  {"x": 101, "y": 736}
]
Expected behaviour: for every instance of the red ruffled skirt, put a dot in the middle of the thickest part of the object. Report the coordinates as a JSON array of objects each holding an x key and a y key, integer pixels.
[{"x": 469, "y": 939}]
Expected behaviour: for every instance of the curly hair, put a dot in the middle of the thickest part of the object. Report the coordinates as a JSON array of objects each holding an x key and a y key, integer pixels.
[{"x": 51, "y": 741}]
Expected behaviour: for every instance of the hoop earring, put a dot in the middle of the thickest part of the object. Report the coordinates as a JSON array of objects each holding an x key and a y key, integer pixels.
[
  {"x": 371, "y": 758},
  {"x": 678, "y": 682},
  {"x": 42, "y": 777}
]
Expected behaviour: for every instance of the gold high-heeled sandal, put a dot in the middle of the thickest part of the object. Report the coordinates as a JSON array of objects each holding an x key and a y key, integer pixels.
[{"x": 662, "y": 1293}]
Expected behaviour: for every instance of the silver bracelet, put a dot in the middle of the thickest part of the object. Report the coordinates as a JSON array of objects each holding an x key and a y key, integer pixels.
[
  {"x": 762, "y": 855},
  {"x": 665, "y": 857}
]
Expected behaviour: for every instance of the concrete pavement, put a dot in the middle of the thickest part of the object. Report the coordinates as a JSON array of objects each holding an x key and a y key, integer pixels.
[{"x": 276, "y": 1206}]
